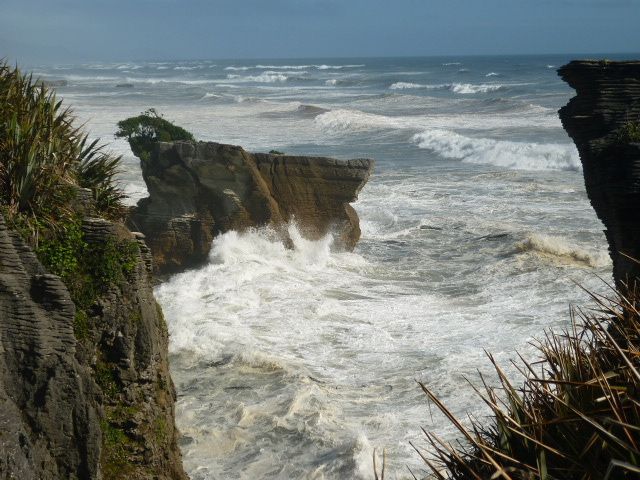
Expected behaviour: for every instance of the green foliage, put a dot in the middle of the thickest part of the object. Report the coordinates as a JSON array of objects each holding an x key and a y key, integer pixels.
[
  {"x": 145, "y": 130},
  {"x": 44, "y": 156},
  {"x": 275, "y": 152},
  {"x": 97, "y": 170},
  {"x": 61, "y": 254},
  {"x": 116, "y": 445},
  {"x": 81, "y": 325},
  {"x": 88, "y": 269},
  {"x": 106, "y": 380},
  {"x": 629, "y": 133},
  {"x": 576, "y": 415}
]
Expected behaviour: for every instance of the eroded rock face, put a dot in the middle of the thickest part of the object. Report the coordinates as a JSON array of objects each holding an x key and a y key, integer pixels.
[
  {"x": 198, "y": 190},
  {"x": 606, "y": 104},
  {"x": 49, "y": 420},
  {"x": 98, "y": 405}
]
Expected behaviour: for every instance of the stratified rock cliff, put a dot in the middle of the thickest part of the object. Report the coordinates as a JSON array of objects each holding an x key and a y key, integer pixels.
[
  {"x": 601, "y": 119},
  {"x": 83, "y": 396},
  {"x": 198, "y": 190},
  {"x": 49, "y": 420}
]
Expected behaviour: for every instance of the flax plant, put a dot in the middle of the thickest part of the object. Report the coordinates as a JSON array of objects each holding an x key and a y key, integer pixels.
[
  {"x": 575, "y": 414},
  {"x": 44, "y": 157}
]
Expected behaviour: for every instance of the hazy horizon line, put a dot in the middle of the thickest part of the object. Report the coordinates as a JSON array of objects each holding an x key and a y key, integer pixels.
[{"x": 583, "y": 55}]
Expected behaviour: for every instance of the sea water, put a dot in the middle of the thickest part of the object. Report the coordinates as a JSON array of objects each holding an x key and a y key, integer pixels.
[{"x": 476, "y": 236}]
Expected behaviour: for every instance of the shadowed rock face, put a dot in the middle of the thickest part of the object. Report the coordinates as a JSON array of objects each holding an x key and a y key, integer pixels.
[
  {"x": 608, "y": 102},
  {"x": 49, "y": 423},
  {"x": 198, "y": 190},
  {"x": 98, "y": 407}
]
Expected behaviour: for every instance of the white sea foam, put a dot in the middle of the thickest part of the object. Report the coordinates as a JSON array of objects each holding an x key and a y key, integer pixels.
[
  {"x": 345, "y": 121},
  {"x": 468, "y": 88},
  {"x": 304, "y": 67},
  {"x": 492, "y": 74},
  {"x": 515, "y": 155},
  {"x": 559, "y": 249},
  {"x": 449, "y": 64},
  {"x": 461, "y": 88},
  {"x": 331, "y": 81},
  {"x": 264, "y": 77},
  {"x": 283, "y": 67},
  {"x": 410, "y": 85},
  {"x": 242, "y": 69}
]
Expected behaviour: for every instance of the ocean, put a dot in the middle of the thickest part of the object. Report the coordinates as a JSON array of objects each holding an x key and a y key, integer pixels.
[{"x": 477, "y": 235}]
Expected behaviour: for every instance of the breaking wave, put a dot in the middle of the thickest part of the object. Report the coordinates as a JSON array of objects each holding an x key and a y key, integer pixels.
[
  {"x": 562, "y": 250},
  {"x": 265, "y": 77},
  {"x": 461, "y": 88},
  {"x": 515, "y": 155}
]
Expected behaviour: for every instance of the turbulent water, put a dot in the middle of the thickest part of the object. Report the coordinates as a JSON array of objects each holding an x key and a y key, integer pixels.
[{"x": 476, "y": 226}]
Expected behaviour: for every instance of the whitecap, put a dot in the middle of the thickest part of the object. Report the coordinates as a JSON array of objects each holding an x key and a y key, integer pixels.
[
  {"x": 508, "y": 154},
  {"x": 560, "y": 249},
  {"x": 264, "y": 77},
  {"x": 460, "y": 88}
]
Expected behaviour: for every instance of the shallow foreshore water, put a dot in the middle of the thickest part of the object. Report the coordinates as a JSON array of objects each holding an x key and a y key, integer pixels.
[{"x": 476, "y": 229}]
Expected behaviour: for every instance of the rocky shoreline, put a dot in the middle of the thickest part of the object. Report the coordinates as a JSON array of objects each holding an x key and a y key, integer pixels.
[
  {"x": 198, "y": 190},
  {"x": 89, "y": 395}
]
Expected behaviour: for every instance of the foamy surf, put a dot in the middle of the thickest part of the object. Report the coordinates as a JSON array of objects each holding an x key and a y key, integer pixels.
[
  {"x": 460, "y": 88},
  {"x": 558, "y": 249},
  {"x": 515, "y": 155}
]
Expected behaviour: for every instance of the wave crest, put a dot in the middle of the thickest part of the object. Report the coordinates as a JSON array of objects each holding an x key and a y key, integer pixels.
[
  {"x": 560, "y": 249},
  {"x": 515, "y": 155},
  {"x": 460, "y": 88}
]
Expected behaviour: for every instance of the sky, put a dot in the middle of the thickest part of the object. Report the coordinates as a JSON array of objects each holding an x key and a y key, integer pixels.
[{"x": 66, "y": 31}]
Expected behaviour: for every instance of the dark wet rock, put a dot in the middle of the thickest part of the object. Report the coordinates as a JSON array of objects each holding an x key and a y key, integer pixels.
[
  {"x": 198, "y": 190},
  {"x": 606, "y": 106}
]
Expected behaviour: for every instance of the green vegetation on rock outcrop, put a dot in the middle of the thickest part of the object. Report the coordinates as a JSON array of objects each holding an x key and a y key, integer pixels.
[
  {"x": 58, "y": 192},
  {"x": 148, "y": 128},
  {"x": 46, "y": 162}
]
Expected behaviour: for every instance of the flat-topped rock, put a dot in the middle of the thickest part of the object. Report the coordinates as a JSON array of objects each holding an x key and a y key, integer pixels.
[
  {"x": 598, "y": 118},
  {"x": 198, "y": 190}
]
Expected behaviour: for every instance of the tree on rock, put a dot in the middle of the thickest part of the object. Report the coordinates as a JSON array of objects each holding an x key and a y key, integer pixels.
[{"x": 148, "y": 128}]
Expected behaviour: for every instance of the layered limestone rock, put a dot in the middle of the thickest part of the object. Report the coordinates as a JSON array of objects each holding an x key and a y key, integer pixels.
[
  {"x": 49, "y": 419},
  {"x": 601, "y": 119},
  {"x": 198, "y": 190},
  {"x": 83, "y": 396}
]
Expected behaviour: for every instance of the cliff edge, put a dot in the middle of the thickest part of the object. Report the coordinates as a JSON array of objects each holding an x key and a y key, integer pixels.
[
  {"x": 198, "y": 190},
  {"x": 604, "y": 121},
  {"x": 84, "y": 394}
]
